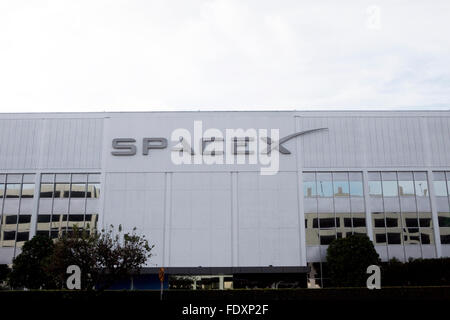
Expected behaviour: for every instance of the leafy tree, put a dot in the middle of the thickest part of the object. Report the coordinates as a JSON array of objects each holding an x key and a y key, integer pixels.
[
  {"x": 348, "y": 259},
  {"x": 4, "y": 272},
  {"x": 103, "y": 258},
  {"x": 29, "y": 267}
]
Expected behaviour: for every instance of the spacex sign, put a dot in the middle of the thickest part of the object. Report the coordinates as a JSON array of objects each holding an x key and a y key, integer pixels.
[{"x": 212, "y": 146}]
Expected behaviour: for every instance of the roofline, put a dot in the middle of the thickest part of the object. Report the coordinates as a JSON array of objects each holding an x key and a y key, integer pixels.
[{"x": 378, "y": 109}]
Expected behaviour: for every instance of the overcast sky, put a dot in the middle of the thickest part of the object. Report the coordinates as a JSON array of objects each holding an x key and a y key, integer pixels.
[{"x": 109, "y": 55}]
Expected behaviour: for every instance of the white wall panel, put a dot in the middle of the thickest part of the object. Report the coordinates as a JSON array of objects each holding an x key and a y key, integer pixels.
[
  {"x": 375, "y": 141},
  {"x": 268, "y": 220},
  {"x": 50, "y": 143}
]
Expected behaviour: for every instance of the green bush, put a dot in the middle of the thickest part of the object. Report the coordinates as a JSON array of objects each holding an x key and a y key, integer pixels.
[
  {"x": 29, "y": 267},
  {"x": 348, "y": 259},
  {"x": 418, "y": 272},
  {"x": 4, "y": 272}
]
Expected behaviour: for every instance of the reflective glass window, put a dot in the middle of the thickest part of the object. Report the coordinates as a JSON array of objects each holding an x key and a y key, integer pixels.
[
  {"x": 309, "y": 189},
  {"x": 93, "y": 190},
  {"x": 10, "y": 219},
  {"x": 406, "y": 188},
  {"x": 444, "y": 219},
  {"x": 76, "y": 217},
  {"x": 445, "y": 235},
  {"x": 324, "y": 188},
  {"x": 47, "y": 178},
  {"x": 392, "y": 222},
  {"x": 42, "y": 218},
  {"x": 440, "y": 188},
  {"x": 22, "y": 236},
  {"x": 394, "y": 237},
  {"x": 14, "y": 178},
  {"x": 341, "y": 188},
  {"x": 421, "y": 188},
  {"x": 94, "y": 177},
  {"x": 28, "y": 178},
  {"x": 79, "y": 178},
  {"x": 411, "y": 223},
  {"x": 425, "y": 222},
  {"x": 12, "y": 190},
  {"x": 47, "y": 190},
  {"x": 28, "y": 190},
  {"x": 380, "y": 237},
  {"x": 62, "y": 177},
  {"x": 62, "y": 190},
  {"x": 78, "y": 190},
  {"x": 24, "y": 218},
  {"x": 359, "y": 222},
  {"x": 375, "y": 188},
  {"x": 426, "y": 237},
  {"x": 2, "y": 190},
  {"x": 390, "y": 188},
  {"x": 9, "y": 235},
  {"x": 356, "y": 188}
]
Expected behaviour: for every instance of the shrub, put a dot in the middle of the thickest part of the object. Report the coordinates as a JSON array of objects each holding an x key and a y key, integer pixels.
[{"x": 348, "y": 259}]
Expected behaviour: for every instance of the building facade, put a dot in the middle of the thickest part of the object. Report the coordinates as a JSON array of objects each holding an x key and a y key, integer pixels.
[{"x": 384, "y": 174}]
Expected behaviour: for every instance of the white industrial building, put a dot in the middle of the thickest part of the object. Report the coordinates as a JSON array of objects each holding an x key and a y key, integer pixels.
[{"x": 385, "y": 174}]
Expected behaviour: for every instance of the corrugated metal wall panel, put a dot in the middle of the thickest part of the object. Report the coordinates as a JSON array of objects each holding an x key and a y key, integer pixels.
[
  {"x": 50, "y": 143},
  {"x": 438, "y": 134},
  {"x": 368, "y": 142},
  {"x": 19, "y": 143},
  {"x": 72, "y": 143}
]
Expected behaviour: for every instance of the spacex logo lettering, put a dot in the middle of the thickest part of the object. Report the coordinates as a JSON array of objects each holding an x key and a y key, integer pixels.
[{"x": 212, "y": 146}]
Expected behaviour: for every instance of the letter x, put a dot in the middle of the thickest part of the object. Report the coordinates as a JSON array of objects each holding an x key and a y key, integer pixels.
[{"x": 278, "y": 144}]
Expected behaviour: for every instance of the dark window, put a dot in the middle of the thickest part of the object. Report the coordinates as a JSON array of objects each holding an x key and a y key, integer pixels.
[
  {"x": 359, "y": 222},
  {"x": 315, "y": 222},
  {"x": 412, "y": 238},
  {"x": 379, "y": 223},
  {"x": 54, "y": 234},
  {"x": 76, "y": 217},
  {"x": 380, "y": 238},
  {"x": 444, "y": 221},
  {"x": 22, "y": 236},
  {"x": 425, "y": 222},
  {"x": 327, "y": 223},
  {"x": 445, "y": 239},
  {"x": 9, "y": 235},
  {"x": 391, "y": 222},
  {"x": 412, "y": 223},
  {"x": 11, "y": 219},
  {"x": 348, "y": 222},
  {"x": 325, "y": 240},
  {"x": 42, "y": 233},
  {"x": 43, "y": 218},
  {"x": 394, "y": 238},
  {"x": 24, "y": 218},
  {"x": 425, "y": 238},
  {"x": 359, "y": 234}
]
